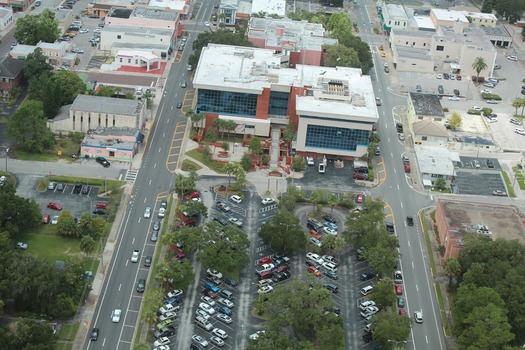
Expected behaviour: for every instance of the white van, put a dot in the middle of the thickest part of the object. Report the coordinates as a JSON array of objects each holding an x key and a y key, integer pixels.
[
  {"x": 265, "y": 282},
  {"x": 367, "y": 290}
]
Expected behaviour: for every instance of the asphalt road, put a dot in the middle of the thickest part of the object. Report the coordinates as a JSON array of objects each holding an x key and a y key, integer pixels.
[{"x": 153, "y": 182}]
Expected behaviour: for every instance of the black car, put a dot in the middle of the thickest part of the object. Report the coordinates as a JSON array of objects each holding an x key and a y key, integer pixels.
[
  {"x": 410, "y": 221},
  {"x": 446, "y": 76},
  {"x": 99, "y": 211},
  {"x": 164, "y": 332},
  {"x": 333, "y": 309},
  {"x": 229, "y": 281},
  {"x": 366, "y": 276},
  {"x": 94, "y": 334},
  {"x": 78, "y": 188},
  {"x": 441, "y": 90},
  {"x": 367, "y": 338},
  {"x": 85, "y": 189},
  {"x": 490, "y": 163},
  {"x": 329, "y": 219},
  {"x": 164, "y": 203},
  {"x": 141, "y": 285},
  {"x": 331, "y": 274},
  {"x": 221, "y": 221},
  {"x": 390, "y": 227},
  {"x": 102, "y": 161},
  {"x": 147, "y": 261},
  {"x": 331, "y": 287},
  {"x": 179, "y": 104},
  {"x": 281, "y": 276},
  {"x": 456, "y": 92},
  {"x": 399, "y": 127}
]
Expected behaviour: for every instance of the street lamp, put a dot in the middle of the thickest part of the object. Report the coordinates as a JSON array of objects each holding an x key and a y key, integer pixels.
[{"x": 6, "y": 153}]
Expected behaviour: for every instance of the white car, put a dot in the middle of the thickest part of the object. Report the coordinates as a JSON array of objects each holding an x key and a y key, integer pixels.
[
  {"x": 162, "y": 341},
  {"x": 315, "y": 258},
  {"x": 475, "y": 108},
  {"x": 206, "y": 23},
  {"x": 147, "y": 213},
  {"x": 310, "y": 161},
  {"x": 519, "y": 131},
  {"x": 162, "y": 212},
  {"x": 135, "y": 256},
  {"x": 168, "y": 316},
  {"x": 203, "y": 314},
  {"x": 174, "y": 293},
  {"x": 512, "y": 58},
  {"x": 220, "y": 333},
  {"x": 265, "y": 290},
  {"x": 267, "y": 201},
  {"x": 439, "y": 76},
  {"x": 316, "y": 242},
  {"x": 485, "y": 91},
  {"x": 21, "y": 245},
  {"x": 418, "y": 315},
  {"x": 329, "y": 266},
  {"x": 489, "y": 84},
  {"x": 115, "y": 315},
  {"x": 225, "y": 302},
  {"x": 83, "y": 31},
  {"x": 366, "y": 304},
  {"x": 235, "y": 198},
  {"x": 168, "y": 308},
  {"x": 492, "y": 102},
  {"x": 492, "y": 120},
  {"x": 330, "y": 231},
  {"x": 256, "y": 335},
  {"x": 224, "y": 318},
  {"x": 453, "y": 98},
  {"x": 206, "y": 299},
  {"x": 267, "y": 267},
  {"x": 54, "y": 220},
  {"x": 207, "y": 308},
  {"x": 200, "y": 340},
  {"x": 369, "y": 311},
  {"x": 236, "y": 222},
  {"x": 214, "y": 273},
  {"x": 217, "y": 341}
]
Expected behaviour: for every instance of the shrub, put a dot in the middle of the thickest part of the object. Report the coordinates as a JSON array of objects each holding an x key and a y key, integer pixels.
[
  {"x": 473, "y": 111},
  {"x": 491, "y": 97}
]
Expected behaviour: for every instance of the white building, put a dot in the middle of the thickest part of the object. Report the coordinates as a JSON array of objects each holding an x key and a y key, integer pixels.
[
  {"x": 394, "y": 17},
  {"x": 6, "y": 17},
  {"x": 269, "y": 7},
  {"x": 435, "y": 163}
]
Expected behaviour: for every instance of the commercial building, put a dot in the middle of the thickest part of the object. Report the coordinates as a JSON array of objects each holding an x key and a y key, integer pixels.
[
  {"x": 57, "y": 54},
  {"x": 424, "y": 107},
  {"x": 333, "y": 109},
  {"x": 429, "y": 133},
  {"x": 303, "y": 41},
  {"x": 92, "y": 112},
  {"x": 118, "y": 144},
  {"x": 435, "y": 163},
  {"x": 6, "y": 17},
  {"x": 393, "y": 17},
  {"x": 456, "y": 219}
]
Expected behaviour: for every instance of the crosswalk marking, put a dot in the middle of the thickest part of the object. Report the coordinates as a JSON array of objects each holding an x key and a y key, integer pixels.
[{"x": 131, "y": 175}]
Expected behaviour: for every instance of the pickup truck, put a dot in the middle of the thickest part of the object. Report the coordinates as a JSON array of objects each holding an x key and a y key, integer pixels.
[{"x": 223, "y": 206}]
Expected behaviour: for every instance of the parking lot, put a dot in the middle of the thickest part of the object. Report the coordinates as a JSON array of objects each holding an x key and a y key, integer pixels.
[
  {"x": 81, "y": 41},
  {"x": 333, "y": 178}
]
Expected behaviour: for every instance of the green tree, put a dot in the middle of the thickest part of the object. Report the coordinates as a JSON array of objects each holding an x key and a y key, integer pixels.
[
  {"x": 283, "y": 232},
  {"x": 383, "y": 293},
  {"x": 298, "y": 163},
  {"x": 246, "y": 162},
  {"x": 28, "y": 128},
  {"x": 230, "y": 168},
  {"x": 341, "y": 56},
  {"x": 181, "y": 273},
  {"x": 452, "y": 269},
  {"x": 105, "y": 91},
  {"x": 35, "y": 65},
  {"x": 152, "y": 299},
  {"x": 255, "y": 146},
  {"x": 70, "y": 85},
  {"x": 479, "y": 65},
  {"x": 87, "y": 245},
  {"x": 67, "y": 226},
  {"x": 487, "y": 327},
  {"x": 516, "y": 103},
  {"x": 194, "y": 207},
  {"x": 30, "y": 334},
  {"x": 240, "y": 178},
  {"x": 332, "y": 201},
  {"x": 206, "y": 154},
  {"x": 225, "y": 146},
  {"x": 383, "y": 256},
  {"x": 511, "y": 10},
  {"x": 455, "y": 120},
  {"x": 31, "y": 29},
  {"x": 372, "y": 148},
  {"x": 229, "y": 126},
  {"x": 440, "y": 184},
  {"x": 289, "y": 133},
  {"x": 389, "y": 328},
  {"x": 185, "y": 184}
]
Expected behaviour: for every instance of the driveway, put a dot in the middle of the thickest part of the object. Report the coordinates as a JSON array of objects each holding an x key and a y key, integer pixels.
[{"x": 339, "y": 180}]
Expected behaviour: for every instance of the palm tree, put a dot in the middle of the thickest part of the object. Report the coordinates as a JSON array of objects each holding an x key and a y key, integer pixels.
[
  {"x": 479, "y": 65},
  {"x": 516, "y": 104}
]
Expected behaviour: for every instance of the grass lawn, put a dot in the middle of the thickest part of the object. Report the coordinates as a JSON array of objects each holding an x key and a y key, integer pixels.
[
  {"x": 67, "y": 335},
  {"x": 216, "y": 166},
  {"x": 188, "y": 165},
  {"x": 43, "y": 243},
  {"x": 66, "y": 148}
]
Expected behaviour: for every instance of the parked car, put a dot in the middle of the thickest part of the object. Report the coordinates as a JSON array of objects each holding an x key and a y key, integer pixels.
[
  {"x": 54, "y": 206},
  {"x": 499, "y": 193}
]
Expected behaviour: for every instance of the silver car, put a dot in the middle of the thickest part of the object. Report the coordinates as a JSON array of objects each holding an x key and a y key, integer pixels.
[{"x": 147, "y": 213}]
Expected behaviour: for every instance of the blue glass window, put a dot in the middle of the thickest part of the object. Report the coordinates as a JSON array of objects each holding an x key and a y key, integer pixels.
[
  {"x": 335, "y": 138},
  {"x": 224, "y": 102},
  {"x": 278, "y": 103}
]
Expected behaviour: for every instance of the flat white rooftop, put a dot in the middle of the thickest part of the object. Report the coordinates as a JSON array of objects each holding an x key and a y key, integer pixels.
[
  {"x": 277, "y": 7},
  {"x": 396, "y": 12},
  {"x": 177, "y": 5},
  {"x": 480, "y": 15},
  {"x": 450, "y": 15}
]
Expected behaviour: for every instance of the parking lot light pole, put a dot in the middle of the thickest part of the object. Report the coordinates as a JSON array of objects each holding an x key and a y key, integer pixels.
[{"x": 6, "y": 153}]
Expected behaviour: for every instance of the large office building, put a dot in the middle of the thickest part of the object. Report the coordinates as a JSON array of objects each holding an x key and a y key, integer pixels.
[{"x": 333, "y": 109}]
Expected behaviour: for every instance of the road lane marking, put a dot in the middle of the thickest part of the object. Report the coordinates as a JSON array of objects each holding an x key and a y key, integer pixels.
[
  {"x": 133, "y": 241},
  {"x": 120, "y": 286}
]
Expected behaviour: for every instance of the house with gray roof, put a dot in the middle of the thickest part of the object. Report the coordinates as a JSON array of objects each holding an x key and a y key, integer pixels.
[
  {"x": 10, "y": 74},
  {"x": 435, "y": 163},
  {"x": 92, "y": 112},
  {"x": 429, "y": 133},
  {"x": 422, "y": 106}
]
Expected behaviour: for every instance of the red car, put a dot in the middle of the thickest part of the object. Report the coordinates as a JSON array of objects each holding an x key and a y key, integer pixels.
[
  {"x": 194, "y": 194},
  {"x": 53, "y": 205},
  {"x": 208, "y": 293},
  {"x": 314, "y": 271},
  {"x": 402, "y": 312},
  {"x": 407, "y": 168},
  {"x": 315, "y": 234},
  {"x": 265, "y": 260},
  {"x": 102, "y": 205},
  {"x": 399, "y": 289},
  {"x": 360, "y": 198},
  {"x": 282, "y": 269},
  {"x": 360, "y": 176},
  {"x": 46, "y": 218}
]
